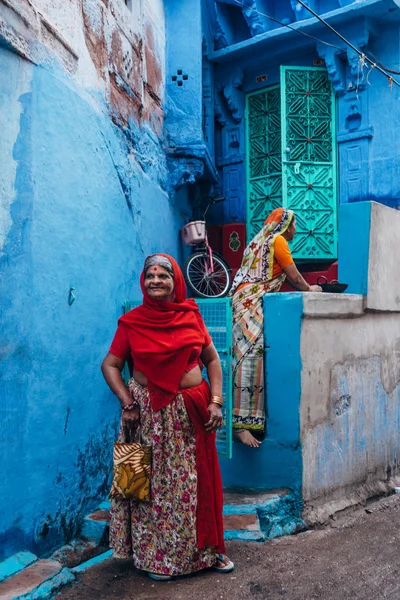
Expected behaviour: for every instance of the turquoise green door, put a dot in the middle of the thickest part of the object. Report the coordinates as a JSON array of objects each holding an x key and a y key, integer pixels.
[
  {"x": 263, "y": 157},
  {"x": 291, "y": 159},
  {"x": 309, "y": 160}
]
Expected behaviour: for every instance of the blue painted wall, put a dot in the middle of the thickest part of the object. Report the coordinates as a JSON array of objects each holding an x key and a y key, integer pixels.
[
  {"x": 277, "y": 462},
  {"x": 354, "y": 242},
  {"x": 249, "y": 46},
  {"x": 84, "y": 214}
]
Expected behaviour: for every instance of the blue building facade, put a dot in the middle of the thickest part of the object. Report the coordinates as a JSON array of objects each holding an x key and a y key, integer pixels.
[
  {"x": 95, "y": 174},
  {"x": 116, "y": 121},
  {"x": 301, "y": 120}
]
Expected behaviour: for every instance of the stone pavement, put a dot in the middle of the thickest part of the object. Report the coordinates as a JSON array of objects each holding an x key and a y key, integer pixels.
[{"x": 356, "y": 558}]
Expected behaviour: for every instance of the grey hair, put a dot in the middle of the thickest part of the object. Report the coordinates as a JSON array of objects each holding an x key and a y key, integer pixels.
[{"x": 160, "y": 261}]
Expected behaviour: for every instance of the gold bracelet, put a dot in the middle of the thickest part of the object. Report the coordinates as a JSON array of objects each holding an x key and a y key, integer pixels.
[{"x": 217, "y": 400}]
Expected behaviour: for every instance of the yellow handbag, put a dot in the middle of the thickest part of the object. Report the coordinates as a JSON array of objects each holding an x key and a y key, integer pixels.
[{"x": 132, "y": 471}]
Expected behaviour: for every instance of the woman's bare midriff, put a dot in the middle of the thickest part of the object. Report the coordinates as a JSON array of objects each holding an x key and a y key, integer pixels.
[{"x": 188, "y": 380}]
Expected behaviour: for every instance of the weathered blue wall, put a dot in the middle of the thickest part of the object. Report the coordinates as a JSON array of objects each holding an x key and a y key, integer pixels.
[
  {"x": 354, "y": 246},
  {"x": 83, "y": 213}
]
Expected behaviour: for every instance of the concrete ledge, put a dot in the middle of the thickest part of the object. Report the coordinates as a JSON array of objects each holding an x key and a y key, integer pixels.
[
  {"x": 319, "y": 511},
  {"x": 47, "y": 589},
  {"x": 15, "y": 564},
  {"x": 37, "y": 582},
  {"x": 245, "y": 536},
  {"x": 93, "y": 561},
  {"x": 333, "y": 305}
]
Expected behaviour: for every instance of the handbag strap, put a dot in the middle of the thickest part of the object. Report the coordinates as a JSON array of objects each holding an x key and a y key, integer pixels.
[{"x": 133, "y": 434}]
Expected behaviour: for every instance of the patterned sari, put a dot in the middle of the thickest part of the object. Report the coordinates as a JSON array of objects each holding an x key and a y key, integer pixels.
[
  {"x": 180, "y": 531},
  {"x": 252, "y": 281}
]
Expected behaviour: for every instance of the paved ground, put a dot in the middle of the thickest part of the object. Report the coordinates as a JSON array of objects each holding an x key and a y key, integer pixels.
[{"x": 358, "y": 558}]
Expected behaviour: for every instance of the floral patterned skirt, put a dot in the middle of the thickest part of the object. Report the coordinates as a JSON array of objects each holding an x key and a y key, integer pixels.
[{"x": 161, "y": 535}]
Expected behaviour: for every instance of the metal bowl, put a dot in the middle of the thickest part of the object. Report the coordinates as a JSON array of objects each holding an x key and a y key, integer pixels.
[{"x": 332, "y": 287}]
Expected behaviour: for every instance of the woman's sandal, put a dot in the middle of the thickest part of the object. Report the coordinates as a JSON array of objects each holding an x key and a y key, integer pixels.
[
  {"x": 228, "y": 564},
  {"x": 158, "y": 577}
]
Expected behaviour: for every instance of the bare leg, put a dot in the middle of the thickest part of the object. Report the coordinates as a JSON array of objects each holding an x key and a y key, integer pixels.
[{"x": 247, "y": 438}]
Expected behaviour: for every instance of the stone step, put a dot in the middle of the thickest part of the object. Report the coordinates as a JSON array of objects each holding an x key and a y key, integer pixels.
[
  {"x": 243, "y": 527},
  {"x": 248, "y": 515},
  {"x": 16, "y": 563},
  {"x": 95, "y": 527},
  {"x": 44, "y": 578},
  {"x": 260, "y": 515}
]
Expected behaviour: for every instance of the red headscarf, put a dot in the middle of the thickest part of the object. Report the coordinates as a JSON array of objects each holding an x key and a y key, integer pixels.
[{"x": 164, "y": 334}]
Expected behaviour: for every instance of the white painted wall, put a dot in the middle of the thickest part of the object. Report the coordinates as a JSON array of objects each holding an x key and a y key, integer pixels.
[
  {"x": 350, "y": 408},
  {"x": 90, "y": 38},
  {"x": 384, "y": 259}
]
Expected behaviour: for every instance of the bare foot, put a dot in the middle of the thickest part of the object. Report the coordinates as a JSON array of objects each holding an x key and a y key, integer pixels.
[{"x": 247, "y": 438}]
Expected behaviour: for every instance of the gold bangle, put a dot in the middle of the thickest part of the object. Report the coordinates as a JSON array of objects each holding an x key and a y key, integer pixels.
[{"x": 217, "y": 400}]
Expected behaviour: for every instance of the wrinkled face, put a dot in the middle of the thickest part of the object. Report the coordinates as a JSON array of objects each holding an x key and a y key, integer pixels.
[
  {"x": 159, "y": 284},
  {"x": 291, "y": 230}
]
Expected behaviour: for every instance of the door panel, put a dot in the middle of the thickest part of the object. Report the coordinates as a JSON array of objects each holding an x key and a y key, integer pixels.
[
  {"x": 263, "y": 157},
  {"x": 309, "y": 160}
]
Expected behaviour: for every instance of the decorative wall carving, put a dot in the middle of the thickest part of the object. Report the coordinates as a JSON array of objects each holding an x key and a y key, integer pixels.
[
  {"x": 220, "y": 40},
  {"x": 253, "y": 19},
  {"x": 219, "y": 110},
  {"x": 335, "y": 66},
  {"x": 233, "y": 95}
]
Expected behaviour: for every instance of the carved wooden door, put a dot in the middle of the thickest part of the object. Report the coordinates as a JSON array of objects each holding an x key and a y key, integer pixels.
[
  {"x": 291, "y": 159},
  {"x": 309, "y": 160},
  {"x": 264, "y": 163}
]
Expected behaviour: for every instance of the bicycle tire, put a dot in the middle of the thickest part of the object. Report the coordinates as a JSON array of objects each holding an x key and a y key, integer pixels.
[{"x": 204, "y": 286}]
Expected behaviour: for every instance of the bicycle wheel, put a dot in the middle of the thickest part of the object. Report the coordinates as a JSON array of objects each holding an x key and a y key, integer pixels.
[{"x": 204, "y": 284}]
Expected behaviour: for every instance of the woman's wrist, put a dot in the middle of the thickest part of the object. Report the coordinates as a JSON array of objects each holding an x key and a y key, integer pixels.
[
  {"x": 128, "y": 405},
  {"x": 215, "y": 399}
]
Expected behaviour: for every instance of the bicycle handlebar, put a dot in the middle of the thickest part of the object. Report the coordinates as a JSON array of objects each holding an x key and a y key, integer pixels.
[{"x": 213, "y": 201}]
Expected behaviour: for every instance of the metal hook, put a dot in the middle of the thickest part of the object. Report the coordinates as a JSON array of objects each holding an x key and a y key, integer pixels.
[{"x": 71, "y": 296}]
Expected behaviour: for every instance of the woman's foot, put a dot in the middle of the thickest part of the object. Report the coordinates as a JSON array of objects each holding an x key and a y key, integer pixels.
[
  {"x": 247, "y": 438},
  {"x": 223, "y": 564}
]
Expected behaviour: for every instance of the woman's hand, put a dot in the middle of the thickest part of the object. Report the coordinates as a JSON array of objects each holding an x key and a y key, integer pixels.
[
  {"x": 130, "y": 417},
  {"x": 210, "y": 359},
  {"x": 215, "y": 421},
  {"x": 315, "y": 288}
]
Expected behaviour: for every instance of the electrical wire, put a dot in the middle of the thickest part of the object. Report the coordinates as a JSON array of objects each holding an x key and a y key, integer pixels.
[
  {"x": 363, "y": 57},
  {"x": 361, "y": 54},
  {"x": 286, "y": 25},
  {"x": 378, "y": 62}
]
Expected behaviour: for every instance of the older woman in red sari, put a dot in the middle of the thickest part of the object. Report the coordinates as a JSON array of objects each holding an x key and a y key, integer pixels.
[
  {"x": 181, "y": 530},
  {"x": 266, "y": 263}
]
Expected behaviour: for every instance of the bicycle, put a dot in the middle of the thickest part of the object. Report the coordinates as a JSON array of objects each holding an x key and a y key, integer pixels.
[{"x": 207, "y": 274}]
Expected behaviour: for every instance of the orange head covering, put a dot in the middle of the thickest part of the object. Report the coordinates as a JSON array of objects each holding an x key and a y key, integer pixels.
[
  {"x": 258, "y": 257},
  {"x": 277, "y": 216}
]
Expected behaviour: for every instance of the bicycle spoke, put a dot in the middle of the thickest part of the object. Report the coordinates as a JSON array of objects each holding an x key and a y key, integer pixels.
[
  {"x": 197, "y": 268},
  {"x": 204, "y": 282}
]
